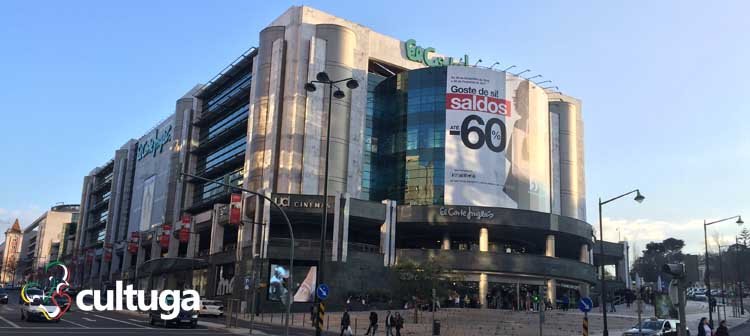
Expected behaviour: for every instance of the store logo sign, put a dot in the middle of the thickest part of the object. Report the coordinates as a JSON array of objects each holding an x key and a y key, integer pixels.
[
  {"x": 155, "y": 144},
  {"x": 468, "y": 213},
  {"x": 424, "y": 55}
]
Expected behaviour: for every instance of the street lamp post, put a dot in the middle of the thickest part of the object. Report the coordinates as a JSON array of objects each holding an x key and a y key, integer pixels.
[
  {"x": 291, "y": 237},
  {"x": 351, "y": 83},
  {"x": 603, "y": 283},
  {"x": 708, "y": 268},
  {"x": 739, "y": 272}
]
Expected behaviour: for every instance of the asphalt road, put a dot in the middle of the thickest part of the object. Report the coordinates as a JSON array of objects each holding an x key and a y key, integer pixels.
[{"x": 76, "y": 322}]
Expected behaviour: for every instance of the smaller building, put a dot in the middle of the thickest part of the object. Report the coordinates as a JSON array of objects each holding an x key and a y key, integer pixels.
[
  {"x": 9, "y": 251},
  {"x": 41, "y": 240}
]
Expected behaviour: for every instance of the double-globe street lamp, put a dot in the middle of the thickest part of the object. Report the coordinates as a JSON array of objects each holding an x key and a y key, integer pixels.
[
  {"x": 603, "y": 283},
  {"x": 351, "y": 83},
  {"x": 708, "y": 269}
]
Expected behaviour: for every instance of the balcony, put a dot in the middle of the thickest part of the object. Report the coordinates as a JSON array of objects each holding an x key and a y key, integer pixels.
[
  {"x": 220, "y": 139},
  {"x": 526, "y": 264},
  {"x": 99, "y": 205}
]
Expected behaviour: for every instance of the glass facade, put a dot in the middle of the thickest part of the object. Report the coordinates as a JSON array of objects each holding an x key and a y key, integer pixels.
[
  {"x": 222, "y": 141},
  {"x": 408, "y": 117}
]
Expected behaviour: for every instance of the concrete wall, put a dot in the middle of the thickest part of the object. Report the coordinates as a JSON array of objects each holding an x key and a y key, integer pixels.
[{"x": 288, "y": 125}]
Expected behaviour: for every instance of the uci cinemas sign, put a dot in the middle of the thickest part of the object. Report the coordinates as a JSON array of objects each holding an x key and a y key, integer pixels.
[{"x": 424, "y": 55}]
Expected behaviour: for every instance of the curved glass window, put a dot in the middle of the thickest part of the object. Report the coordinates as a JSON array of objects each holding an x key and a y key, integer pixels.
[{"x": 409, "y": 123}]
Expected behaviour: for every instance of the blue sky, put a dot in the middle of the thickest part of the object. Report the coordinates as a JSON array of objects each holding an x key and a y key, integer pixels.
[{"x": 664, "y": 86}]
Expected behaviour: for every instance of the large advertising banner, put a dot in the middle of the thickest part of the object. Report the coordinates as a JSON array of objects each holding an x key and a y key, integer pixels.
[{"x": 496, "y": 142}]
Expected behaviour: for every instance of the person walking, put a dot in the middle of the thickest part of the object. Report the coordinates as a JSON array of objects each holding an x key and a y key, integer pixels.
[
  {"x": 703, "y": 328},
  {"x": 722, "y": 330},
  {"x": 345, "y": 322},
  {"x": 612, "y": 307},
  {"x": 565, "y": 302},
  {"x": 373, "y": 323},
  {"x": 398, "y": 323},
  {"x": 388, "y": 324}
]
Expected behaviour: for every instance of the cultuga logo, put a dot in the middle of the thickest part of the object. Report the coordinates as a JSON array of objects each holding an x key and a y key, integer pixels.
[{"x": 48, "y": 302}]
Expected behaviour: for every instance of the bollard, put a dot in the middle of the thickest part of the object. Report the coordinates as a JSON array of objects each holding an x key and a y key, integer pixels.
[
  {"x": 355, "y": 325},
  {"x": 328, "y": 322}
]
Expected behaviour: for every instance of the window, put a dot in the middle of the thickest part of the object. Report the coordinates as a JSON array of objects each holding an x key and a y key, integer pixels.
[
  {"x": 227, "y": 122},
  {"x": 147, "y": 203},
  {"x": 222, "y": 155}
]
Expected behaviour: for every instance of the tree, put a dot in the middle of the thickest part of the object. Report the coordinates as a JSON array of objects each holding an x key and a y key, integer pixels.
[
  {"x": 416, "y": 281},
  {"x": 744, "y": 237},
  {"x": 657, "y": 254}
]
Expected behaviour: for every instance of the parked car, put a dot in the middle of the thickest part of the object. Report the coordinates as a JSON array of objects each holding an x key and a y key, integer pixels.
[
  {"x": 212, "y": 307},
  {"x": 656, "y": 327},
  {"x": 3, "y": 296},
  {"x": 184, "y": 317},
  {"x": 34, "y": 310}
]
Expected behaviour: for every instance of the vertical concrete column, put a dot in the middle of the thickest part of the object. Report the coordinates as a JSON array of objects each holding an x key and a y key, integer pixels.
[
  {"x": 446, "y": 241},
  {"x": 345, "y": 229},
  {"x": 265, "y": 103},
  {"x": 336, "y": 226},
  {"x": 217, "y": 231},
  {"x": 549, "y": 247},
  {"x": 585, "y": 257},
  {"x": 484, "y": 240},
  {"x": 552, "y": 290},
  {"x": 483, "y": 289},
  {"x": 339, "y": 61},
  {"x": 549, "y": 251},
  {"x": 313, "y": 120}
]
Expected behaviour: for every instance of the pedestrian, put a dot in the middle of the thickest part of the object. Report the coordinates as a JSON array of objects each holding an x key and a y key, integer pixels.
[
  {"x": 703, "y": 328},
  {"x": 399, "y": 323},
  {"x": 373, "y": 323},
  {"x": 722, "y": 330},
  {"x": 388, "y": 323},
  {"x": 345, "y": 322},
  {"x": 612, "y": 307},
  {"x": 565, "y": 302}
]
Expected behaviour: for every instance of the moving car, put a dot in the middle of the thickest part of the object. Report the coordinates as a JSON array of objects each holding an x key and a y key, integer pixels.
[
  {"x": 3, "y": 296},
  {"x": 33, "y": 311},
  {"x": 184, "y": 317},
  {"x": 656, "y": 327},
  {"x": 31, "y": 293},
  {"x": 212, "y": 307}
]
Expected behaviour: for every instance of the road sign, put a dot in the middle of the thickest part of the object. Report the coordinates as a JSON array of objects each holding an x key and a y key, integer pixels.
[
  {"x": 585, "y": 304},
  {"x": 322, "y": 291},
  {"x": 248, "y": 282}
]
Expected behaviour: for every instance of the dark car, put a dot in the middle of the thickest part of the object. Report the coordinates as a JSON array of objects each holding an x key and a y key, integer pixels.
[
  {"x": 3, "y": 296},
  {"x": 184, "y": 317}
]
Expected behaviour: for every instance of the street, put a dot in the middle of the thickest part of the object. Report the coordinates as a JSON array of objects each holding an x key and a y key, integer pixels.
[{"x": 76, "y": 322}]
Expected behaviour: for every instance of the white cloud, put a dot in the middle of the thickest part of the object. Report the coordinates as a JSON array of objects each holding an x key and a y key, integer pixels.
[{"x": 640, "y": 232}]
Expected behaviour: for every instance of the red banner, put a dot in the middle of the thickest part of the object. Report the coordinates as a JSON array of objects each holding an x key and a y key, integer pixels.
[
  {"x": 235, "y": 209},
  {"x": 132, "y": 247},
  {"x": 107, "y": 256},
  {"x": 186, "y": 219},
  {"x": 184, "y": 235},
  {"x": 164, "y": 240},
  {"x": 135, "y": 235}
]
